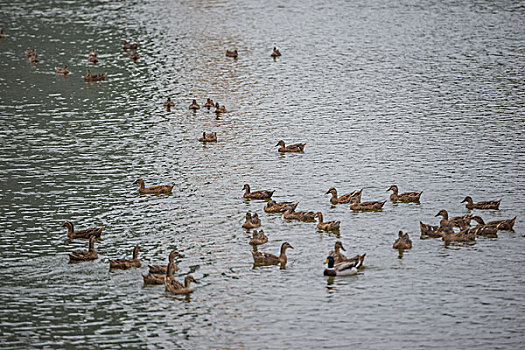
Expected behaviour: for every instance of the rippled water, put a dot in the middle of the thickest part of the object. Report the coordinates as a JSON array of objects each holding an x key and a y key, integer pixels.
[{"x": 427, "y": 95}]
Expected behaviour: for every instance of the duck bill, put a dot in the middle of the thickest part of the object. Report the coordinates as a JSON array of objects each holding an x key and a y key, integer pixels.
[{"x": 326, "y": 261}]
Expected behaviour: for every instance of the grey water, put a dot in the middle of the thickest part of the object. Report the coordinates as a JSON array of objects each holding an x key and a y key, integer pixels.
[{"x": 428, "y": 95}]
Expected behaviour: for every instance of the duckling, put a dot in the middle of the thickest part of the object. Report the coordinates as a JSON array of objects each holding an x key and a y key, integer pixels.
[
  {"x": 208, "y": 137},
  {"x": 124, "y": 264},
  {"x": 274, "y": 207},
  {"x": 345, "y": 268},
  {"x": 403, "y": 241},
  {"x": 83, "y": 255},
  {"x": 219, "y": 109},
  {"x": 158, "y": 189},
  {"x": 87, "y": 233},
  {"x": 194, "y": 105},
  {"x": 251, "y": 222},
  {"x": 403, "y": 197},
  {"x": 175, "y": 287},
  {"x": 262, "y": 194},
  {"x": 327, "y": 226},
  {"x": 299, "y": 215},
  {"x": 296, "y": 148},
  {"x": 126, "y": 46},
  {"x": 93, "y": 59},
  {"x": 3, "y": 35},
  {"x": 64, "y": 70},
  {"x": 134, "y": 55},
  {"x": 505, "y": 224},
  {"x": 233, "y": 53},
  {"x": 340, "y": 257},
  {"x": 169, "y": 103},
  {"x": 209, "y": 103},
  {"x": 258, "y": 238},
  {"x": 275, "y": 53},
  {"x": 345, "y": 198},
  {"x": 481, "y": 205},
  {"x": 270, "y": 259},
  {"x": 355, "y": 204},
  {"x": 157, "y": 273}
]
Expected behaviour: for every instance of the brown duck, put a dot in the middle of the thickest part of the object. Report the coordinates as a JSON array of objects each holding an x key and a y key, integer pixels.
[
  {"x": 355, "y": 204},
  {"x": 403, "y": 241},
  {"x": 157, "y": 273},
  {"x": 328, "y": 225},
  {"x": 219, "y": 109},
  {"x": 159, "y": 189},
  {"x": 194, "y": 105},
  {"x": 275, "y": 52},
  {"x": 251, "y": 221},
  {"x": 209, "y": 103},
  {"x": 270, "y": 259},
  {"x": 178, "y": 288},
  {"x": 124, "y": 264},
  {"x": 262, "y": 194},
  {"x": 505, "y": 224},
  {"x": 208, "y": 137},
  {"x": 169, "y": 103},
  {"x": 126, "y": 46},
  {"x": 340, "y": 257},
  {"x": 465, "y": 235},
  {"x": 345, "y": 198},
  {"x": 233, "y": 53},
  {"x": 299, "y": 215},
  {"x": 87, "y": 233},
  {"x": 83, "y": 255},
  {"x": 63, "y": 70},
  {"x": 483, "y": 229},
  {"x": 403, "y": 197},
  {"x": 481, "y": 205},
  {"x": 296, "y": 148},
  {"x": 134, "y": 55},
  {"x": 93, "y": 59},
  {"x": 95, "y": 77},
  {"x": 274, "y": 207},
  {"x": 258, "y": 238}
]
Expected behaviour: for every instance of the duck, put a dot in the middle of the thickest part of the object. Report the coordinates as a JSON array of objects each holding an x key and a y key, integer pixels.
[
  {"x": 134, "y": 55},
  {"x": 157, "y": 273},
  {"x": 258, "y": 238},
  {"x": 262, "y": 194},
  {"x": 275, "y": 53},
  {"x": 345, "y": 198},
  {"x": 169, "y": 103},
  {"x": 124, "y": 264},
  {"x": 429, "y": 231},
  {"x": 270, "y": 259},
  {"x": 251, "y": 222},
  {"x": 3, "y": 35},
  {"x": 340, "y": 257},
  {"x": 445, "y": 225},
  {"x": 483, "y": 229},
  {"x": 327, "y": 226},
  {"x": 126, "y": 46},
  {"x": 33, "y": 59},
  {"x": 465, "y": 235},
  {"x": 63, "y": 70},
  {"x": 93, "y": 53},
  {"x": 95, "y": 77},
  {"x": 355, "y": 204},
  {"x": 274, "y": 207},
  {"x": 174, "y": 287},
  {"x": 83, "y": 255},
  {"x": 345, "y": 268},
  {"x": 507, "y": 224},
  {"x": 233, "y": 53},
  {"x": 93, "y": 59},
  {"x": 481, "y": 205},
  {"x": 194, "y": 105},
  {"x": 299, "y": 215},
  {"x": 87, "y": 233},
  {"x": 296, "y": 148},
  {"x": 403, "y": 197},
  {"x": 403, "y": 241},
  {"x": 208, "y": 137},
  {"x": 158, "y": 189},
  {"x": 219, "y": 109},
  {"x": 30, "y": 52},
  {"x": 455, "y": 221},
  {"x": 209, "y": 103}
]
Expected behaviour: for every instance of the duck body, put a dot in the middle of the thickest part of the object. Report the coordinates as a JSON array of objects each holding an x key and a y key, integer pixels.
[
  {"x": 406, "y": 197},
  {"x": 158, "y": 189},
  {"x": 340, "y": 257},
  {"x": 251, "y": 221},
  {"x": 366, "y": 206},
  {"x": 345, "y": 198},
  {"x": 154, "y": 278},
  {"x": 134, "y": 56},
  {"x": 208, "y": 104},
  {"x": 124, "y": 264},
  {"x": 169, "y": 103},
  {"x": 63, "y": 70},
  {"x": 33, "y": 59},
  {"x": 126, "y": 46},
  {"x": 177, "y": 288},
  {"x": 481, "y": 205},
  {"x": 270, "y": 259},
  {"x": 163, "y": 269},
  {"x": 87, "y": 233},
  {"x": 93, "y": 59},
  {"x": 429, "y": 231},
  {"x": 95, "y": 77},
  {"x": 274, "y": 207},
  {"x": 233, "y": 53},
  {"x": 83, "y": 255},
  {"x": 219, "y": 109},
  {"x": 296, "y": 148},
  {"x": 208, "y": 137},
  {"x": 403, "y": 241},
  {"x": 328, "y": 225},
  {"x": 504, "y": 224},
  {"x": 467, "y": 235},
  {"x": 345, "y": 268},
  {"x": 194, "y": 105},
  {"x": 262, "y": 194},
  {"x": 258, "y": 238},
  {"x": 275, "y": 52},
  {"x": 299, "y": 215}
]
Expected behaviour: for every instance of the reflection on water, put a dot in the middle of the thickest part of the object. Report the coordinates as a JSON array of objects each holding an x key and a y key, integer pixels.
[{"x": 426, "y": 96}]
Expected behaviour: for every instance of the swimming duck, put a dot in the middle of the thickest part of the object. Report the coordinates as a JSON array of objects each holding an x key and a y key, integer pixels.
[
  {"x": 93, "y": 53},
  {"x": 296, "y": 148},
  {"x": 340, "y": 257},
  {"x": 327, "y": 226},
  {"x": 505, "y": 224},
  {"x": 169, "y": 103},
  {"x": 299, "y": 215},
  {"x": 403, "y": 197},
  {"x": 270, "y": 259},
  {"x": 355, "y": 204},
  {"x": 157, "y": 273},
  {"x": 466, "y": 235},
  {"x": 209, "y": 103},
  {"x": 345, "y": 268},
  {"x": 95, "y": 77},
  {"x": 30, "y": 52},
  {"x": 274, "y": 207},
  {"x": 158, "y": 189},
  {"x": 218, "y": 109},
  {"x": 345, "y": 198},
  {"x": 126, "y": 46},
  {"x": 233, "y": 53},
  {"x": 258, "y": 238},
  {"x": 87, "y": 233},
  {"x": 455, "y": 221},
  {"x": 134, "y": 55},
  {"x": 93, "y": 59},
  {"x": 262, "y": 194},
  {"x": 33, "y": 59},
  {"x": 483, "y": 229},
  {"x": 208, "y": 137},
  {"x": 481, "y": 205},
  {"x": 3, "y": 35},
  {"x": 83, "y": 255},
  {"x": 403, "y": 241},
  {"x": 124, "y": 264},
  {"x": 251, "y": 222},
  {"x": 62, "y": 70},
  {"x": 174, "y": 287},
  {"x": 194, "y": 105},
  {"x": 275, "y": 53}
]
